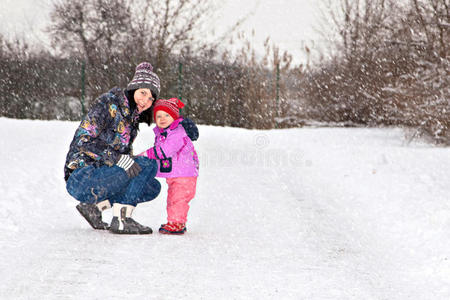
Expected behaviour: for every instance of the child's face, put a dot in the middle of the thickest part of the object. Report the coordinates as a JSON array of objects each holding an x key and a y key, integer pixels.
[{"x": 163, "y": 119}]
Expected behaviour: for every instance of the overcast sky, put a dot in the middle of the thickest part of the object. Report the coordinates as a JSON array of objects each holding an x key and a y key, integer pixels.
[{"x": 289, "y": 23}]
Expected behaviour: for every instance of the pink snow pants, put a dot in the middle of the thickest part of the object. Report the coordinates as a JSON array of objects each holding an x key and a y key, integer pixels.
[{"x": 180, "y": 192}]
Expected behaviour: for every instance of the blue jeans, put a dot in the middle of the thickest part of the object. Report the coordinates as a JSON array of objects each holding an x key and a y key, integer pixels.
[{"x": 92, "y": 185}]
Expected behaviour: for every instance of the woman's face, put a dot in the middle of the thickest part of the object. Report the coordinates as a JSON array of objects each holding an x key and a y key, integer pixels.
[{"x": 143, "y": 99}]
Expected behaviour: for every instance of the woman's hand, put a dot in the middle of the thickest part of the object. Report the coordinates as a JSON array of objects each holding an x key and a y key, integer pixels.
[{"x": 129, "y": 165}]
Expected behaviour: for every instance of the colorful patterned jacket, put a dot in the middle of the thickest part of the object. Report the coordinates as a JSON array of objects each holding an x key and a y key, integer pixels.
[{"x": 106, "y": 132}]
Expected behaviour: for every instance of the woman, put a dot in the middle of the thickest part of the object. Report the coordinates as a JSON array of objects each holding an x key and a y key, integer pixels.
[{"x": 100, "y": 169}]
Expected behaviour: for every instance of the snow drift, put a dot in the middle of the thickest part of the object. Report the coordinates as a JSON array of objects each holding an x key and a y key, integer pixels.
[{"x": 311, "y": 213}]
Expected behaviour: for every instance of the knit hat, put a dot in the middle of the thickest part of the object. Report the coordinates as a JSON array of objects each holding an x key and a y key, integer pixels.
[
  {"x": 144, "y": 78},
  {"x": 171, "y": 106}
]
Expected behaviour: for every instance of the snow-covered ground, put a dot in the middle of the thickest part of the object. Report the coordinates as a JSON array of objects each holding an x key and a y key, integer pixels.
[{"x": 310, "y": 213}]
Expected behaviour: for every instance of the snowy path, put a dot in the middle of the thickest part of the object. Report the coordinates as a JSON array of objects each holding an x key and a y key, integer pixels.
[{"x": 282, "y": 214}]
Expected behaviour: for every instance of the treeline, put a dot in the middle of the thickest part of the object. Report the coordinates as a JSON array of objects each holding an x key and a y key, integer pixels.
[
  {"x": 221, "y": 92},
  {"x": 391, "y": 67},
  {"x": 388, "y": 65},
  {"x": 110, "y": 37},
  {"x": 38, "y": 85}
]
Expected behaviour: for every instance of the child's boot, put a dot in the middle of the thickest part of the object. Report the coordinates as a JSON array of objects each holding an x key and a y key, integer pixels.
[
  {"x": 173, "y": 228},
  {"x": 122, "y": 222}
]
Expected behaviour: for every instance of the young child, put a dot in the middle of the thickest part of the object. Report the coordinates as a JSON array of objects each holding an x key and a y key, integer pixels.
[{"x": 177, "y": 162}]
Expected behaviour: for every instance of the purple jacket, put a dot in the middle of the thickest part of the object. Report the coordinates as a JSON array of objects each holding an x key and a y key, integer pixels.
[{"x": 174, "y": 152}]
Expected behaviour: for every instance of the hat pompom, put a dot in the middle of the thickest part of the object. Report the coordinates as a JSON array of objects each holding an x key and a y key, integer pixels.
[
  {"x": 179, "y": 103},
  {"x": 146, "y": 66}
]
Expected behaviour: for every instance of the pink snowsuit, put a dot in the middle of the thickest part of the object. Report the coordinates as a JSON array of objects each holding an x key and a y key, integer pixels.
[{"x": 178, "y": 163}]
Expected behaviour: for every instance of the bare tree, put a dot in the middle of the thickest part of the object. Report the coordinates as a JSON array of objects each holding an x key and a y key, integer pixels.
[
  {"x": 391, "y": 67},
  {"x": 159, "y": 27},
  {"x": 434, "y": 21},
  {"x": 90, "y": 26},
  {"x": 114, "y": 35},
  {"x": 169, "y": 26},
  {"x": 359, "y": 23}
]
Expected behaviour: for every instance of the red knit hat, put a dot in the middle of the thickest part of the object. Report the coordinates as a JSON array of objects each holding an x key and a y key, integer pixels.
[{"x": 171, "y": 106}]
